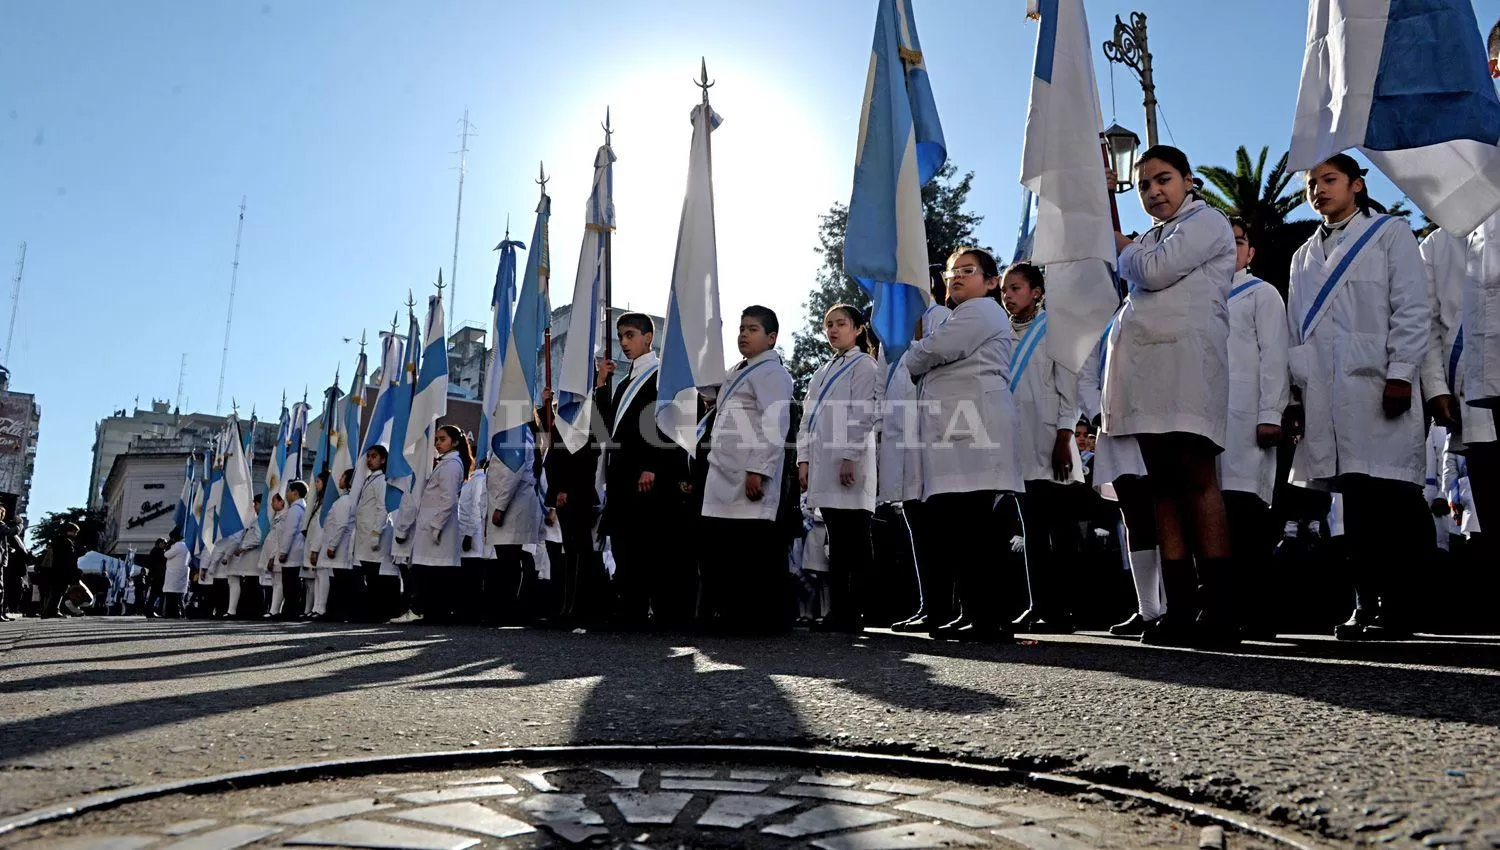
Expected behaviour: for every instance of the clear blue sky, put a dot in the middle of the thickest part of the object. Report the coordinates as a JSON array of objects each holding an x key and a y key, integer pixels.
[{"x": 129, "y": 131}]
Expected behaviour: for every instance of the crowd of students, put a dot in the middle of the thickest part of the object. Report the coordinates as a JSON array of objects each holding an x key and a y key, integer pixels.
[{"x": 910, "y": 492}]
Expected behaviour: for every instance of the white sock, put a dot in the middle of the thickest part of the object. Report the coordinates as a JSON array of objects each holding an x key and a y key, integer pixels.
[
  {"x": 234, "y": 595},
  {"x": 307, "y": 596},
  {"x": 320, "y": 593},
  {"x": 1145, "y": 570},
  {"x": 278, "y": 597}
]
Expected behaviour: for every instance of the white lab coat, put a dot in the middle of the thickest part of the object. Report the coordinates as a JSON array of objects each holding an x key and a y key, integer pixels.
[
  {"x": 1481, "y": 317},
  {"x": 967, "y": 419},
  {"x": 248, "y": 562},
  {"x": 293, "y": 540},
  {"x": 275, "y": 541},
  {"x": 403, "y": 523},
  {"x": 898, "y": 458},
  {"x": 1445, "y": 258},
  {"x": 1437, "y": 443},
  {"x": 1046, "y": 396},
  {"x": 175, "y": 578},
  {"x": 471, "y": 512},
  {"x": 749, "y": 435},
  {"x": 371, "y": 521},
  {"x": 435, "y": 538},
  {"x": 210, "y": 564},
  {"x": 838, "y": 424},
  {"x": 1376, "y": 326},
  {"x": 513, "y": 492},
  {"x": 338, "y": 535},
  {"x": 1259, "y": 385},
  {"x": 1168, "y": 364}
]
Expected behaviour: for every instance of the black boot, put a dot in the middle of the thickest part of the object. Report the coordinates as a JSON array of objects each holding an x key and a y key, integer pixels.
[
  {"x": 1177, "y": 627},
  {"x": 1216, "y": 622}
]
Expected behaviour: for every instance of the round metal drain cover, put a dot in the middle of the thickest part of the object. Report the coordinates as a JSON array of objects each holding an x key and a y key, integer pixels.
[{"x": 614, "y": 803}]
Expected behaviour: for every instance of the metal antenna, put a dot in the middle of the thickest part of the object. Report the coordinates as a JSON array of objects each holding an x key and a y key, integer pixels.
[
  {"x": 234, "y": 276},
  {"x": 463, "y": 151},
  {"x": 15, "y": 301},
  {"x": 181, "y": 380},
  {"x": 704, "y": 82}
]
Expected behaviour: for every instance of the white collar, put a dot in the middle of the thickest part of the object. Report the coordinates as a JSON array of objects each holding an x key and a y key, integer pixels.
[{"x": 639, "y": 365}]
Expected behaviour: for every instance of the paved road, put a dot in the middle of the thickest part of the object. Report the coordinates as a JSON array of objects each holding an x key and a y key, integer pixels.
[{"x": 1376, "y": 743}]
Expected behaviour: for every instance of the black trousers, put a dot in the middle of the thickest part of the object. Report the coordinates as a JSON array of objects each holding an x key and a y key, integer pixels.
[
  {"x": 849, "y": 564},
  {"x": 1389, "y": 532},
  {"x": 956, "y": 538},
  {"x": 650, "y": 581},
  {"x": 585, "y": 585},
  {"x": 1252, "y": 537},
  {"x": 896, "y": 592},
  {"x": 437, "y": 590},
  {"x": 1049, "y": 513},
  {"x": 502, "y": 578},
  {"x": 746, "y": 586},
  {"x": 934, "y": 571},
  {"x": 381, "y": 595},
  {"x": 346, "y": 594}
]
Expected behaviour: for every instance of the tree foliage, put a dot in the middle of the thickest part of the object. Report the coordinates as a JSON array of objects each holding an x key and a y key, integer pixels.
[
  {"x": 949, "y": 226},
  {"x": 90, "y": 524},
  {"x": 1266, "y": 202}
]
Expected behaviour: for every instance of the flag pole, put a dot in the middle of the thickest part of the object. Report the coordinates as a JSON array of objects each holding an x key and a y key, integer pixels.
[
  {"x": 1114, "y": 208},
  {"x": 547, "y": 328},
  {"x": 609, "y": 340}
]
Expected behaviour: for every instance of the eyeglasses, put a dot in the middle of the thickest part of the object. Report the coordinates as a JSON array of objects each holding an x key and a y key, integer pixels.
[{"x": 960, "y": 271}]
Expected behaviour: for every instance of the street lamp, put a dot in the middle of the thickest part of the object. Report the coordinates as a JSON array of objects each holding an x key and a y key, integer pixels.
[
  {"x": 1122, "y": 146},
  {"x": 1128, "y": 48}
]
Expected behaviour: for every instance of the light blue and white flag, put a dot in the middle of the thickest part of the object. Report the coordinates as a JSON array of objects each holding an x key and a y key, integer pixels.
[
  {"x": 1062, "y": 164},
  {"x": 502, "y": 304},
  {"x": 516, "y": 345},
  {"x": 399, "y": 476},
  {"x": 237, "y": 504},
  {"x": 193, "y": 534},
  {"x": 345, "y": 442},
  {"x": 430, "y": 402},
  {"x": 211, "y": 506},
  {"x": 184, "y": 499},
  {"x": 275, "y": 484},
  {"x": 1026, "y": 236},
  {"x": 692, "y": 353},
  {"x": 292, "y": 467},
  {"x": 900, "y": 148},
  {"x": 383, "y": 413},
  {"x": 589, "y": 318},
  {"x": 1407, "y": 82}
]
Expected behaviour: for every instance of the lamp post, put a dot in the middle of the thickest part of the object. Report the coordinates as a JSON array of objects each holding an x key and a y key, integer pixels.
[
  {"x": 1128, "y": 48},
  {"x": 1121, "y": 145}
]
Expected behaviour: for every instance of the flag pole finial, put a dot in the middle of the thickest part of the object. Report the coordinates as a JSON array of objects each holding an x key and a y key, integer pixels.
[
  {"x": 542, "y": 178},
  {"x": 361, "y": 340},
  {"x": 440, "y": 285},
  {"x": 608, "y": 130},
  {"x": 411, "y": 301},
  {"x": 394, "y": 316},
  {"x": 703, "y": 82},
  {"x": 283, "y": 398},
  {"x": 304, "y": 393}
]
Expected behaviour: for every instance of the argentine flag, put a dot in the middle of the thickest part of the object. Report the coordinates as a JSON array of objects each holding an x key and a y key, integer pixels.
[
  {"x": 275, "y": 484},
  {"x": 502, "y": 303},
  {"x": 345, "y": 440},
  {"x": 900, "y": 148},
  {"x": 237, "y": 506},
  {"x": 1407, "y": 82},
  {"x": 184, "y": 499},
  {"x": 399, "y": 477},
  {"x": 291, "y": 469},
  {"x": 590, "y": 315},
  {"x": 383, "y": 414},
  {"x": 209, "y": 534},
  {"x": 516, "y": 345},
  {"x": 1061, "y": 165},
  {"x": 692, "y": 352},
  {"x": 431, "y": 400}
]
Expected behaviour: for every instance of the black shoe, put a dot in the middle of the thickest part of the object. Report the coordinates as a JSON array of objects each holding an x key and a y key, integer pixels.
[
  {"x": 1354, "y": 627},
  {"x": 951, "y": 630},
  {"x": 1167, "y": 630},
  {"x": 986, "y": 633},
  {"x": 1215, "y": 632},
  {"x": 1034, "y": 622},
  {"x": 1028, "y": 618},
  {"x": 1382, "y": 628},
  {"x": 918, "y": 623},
  {"x": 1133, "y": 627}
]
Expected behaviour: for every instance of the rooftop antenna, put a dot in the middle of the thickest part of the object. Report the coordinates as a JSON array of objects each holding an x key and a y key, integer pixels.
[
  {"x": 181, "y": 380},
  {"x": 458, "y": 217},
  {"x": 234, "y": 275},
  {"x": 15, "y": 301}
]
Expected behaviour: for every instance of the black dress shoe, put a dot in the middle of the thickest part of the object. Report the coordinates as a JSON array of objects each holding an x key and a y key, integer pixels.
[
  {"x": 1052, "y": 626},
  {"x": 1167, "y": 630},
  {"x": 1352, "y": 628},
  {"x": 1135, "y": 626},
  {"x": 1028, "y": 618},
  {"x": 984, "y": 633},
  {"x": 918, "y": 623},
  {"x": 951, "y": 630}
]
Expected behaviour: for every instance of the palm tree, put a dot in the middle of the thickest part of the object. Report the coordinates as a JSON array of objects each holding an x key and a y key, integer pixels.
[{"x": 1265, "y": 202}]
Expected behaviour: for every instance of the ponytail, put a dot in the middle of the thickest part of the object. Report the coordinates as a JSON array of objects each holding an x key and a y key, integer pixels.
[{"x": 864, "y": 339}]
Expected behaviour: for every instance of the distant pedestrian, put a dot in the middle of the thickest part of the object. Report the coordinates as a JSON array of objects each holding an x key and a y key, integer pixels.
[
  {"x": 59, "y": 570},
  {"x": 13, "y": 561},
  {"x": 153, "y": 573},
  {"x": 174, "y": 576}
]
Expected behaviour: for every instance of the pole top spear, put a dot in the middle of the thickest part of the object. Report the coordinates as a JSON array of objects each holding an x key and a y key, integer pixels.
[
  {"x": 440, "y": 285},
  {"x": 361, "y": 345},
  {"x": 542, "y": 178},
  {"x": 704, "y": 83},
  {"x": 608, "y": 130}
]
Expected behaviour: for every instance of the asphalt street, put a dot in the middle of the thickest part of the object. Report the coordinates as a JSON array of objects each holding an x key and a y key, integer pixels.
[{"x": 1388, "y": 744}]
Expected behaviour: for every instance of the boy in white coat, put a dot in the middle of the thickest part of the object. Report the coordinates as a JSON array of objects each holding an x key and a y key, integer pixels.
[
  {"x": 1259, "y": 390},
  {"x": 1360, "y": 325},
  {"x": 745, "y": 583},
  {"x": 337, "y": 588}
]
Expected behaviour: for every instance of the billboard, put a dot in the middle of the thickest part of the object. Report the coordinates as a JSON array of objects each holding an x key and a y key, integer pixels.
[{"x": 15, "y": 422}]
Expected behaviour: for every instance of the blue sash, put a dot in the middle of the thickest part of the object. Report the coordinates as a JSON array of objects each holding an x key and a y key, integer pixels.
[
  {"x": 1453, "y": 356},
  {"x": 812, "y": 417},
  {"x": 1021, "y": 357},
  {"x": 1334, "y": 279},
  {"x": 724, "y": 396},
  {"x": 1243, "y": 287},
  {"x": 631, "y": 392}
]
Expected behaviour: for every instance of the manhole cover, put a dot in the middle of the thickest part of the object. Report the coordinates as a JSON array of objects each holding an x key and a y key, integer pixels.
[{"x": 620, "y": 803}]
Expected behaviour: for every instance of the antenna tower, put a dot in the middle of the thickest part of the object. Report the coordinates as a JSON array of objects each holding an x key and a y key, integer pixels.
[
  {"x": 15, "y": 300},
  {"x": 463, "y": 152},
  {"x": 234, "y": 276},
  {"x": 181, "y": 380}
]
